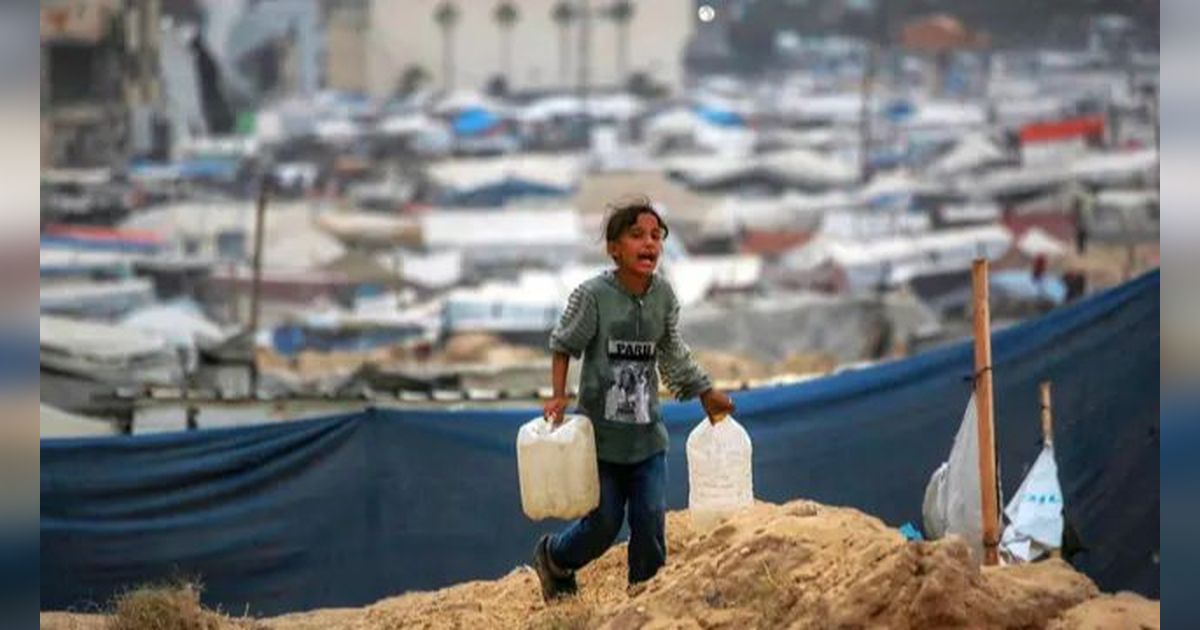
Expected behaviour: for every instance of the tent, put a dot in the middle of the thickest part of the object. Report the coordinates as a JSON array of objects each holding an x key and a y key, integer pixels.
[
  {"x": 106, "y": 353},
  {"x": 337, "y": 130},
  {"x": 558, "y": 171},
  {"x": 473, "y": 121},
  {"x": 612, "y": 106},
  {"x": 795, "y": 168},
  {"x": 181, "y": 323},
  {"x": 511, "y": 228},
  {"x": 99, "y": 300},
  {"x": 502, "y": 193},
  {"x": 56, "y": 423},
  {"x": 968, "y": 154},
  {"x": 720, "y": 117}
]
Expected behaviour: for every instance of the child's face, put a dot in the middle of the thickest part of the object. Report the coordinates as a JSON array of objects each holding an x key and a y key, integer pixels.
[{"x": 639, "y": 246}]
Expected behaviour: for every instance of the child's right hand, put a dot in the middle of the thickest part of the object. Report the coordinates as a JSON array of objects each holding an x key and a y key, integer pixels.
[{"x": 555, "y": 408}]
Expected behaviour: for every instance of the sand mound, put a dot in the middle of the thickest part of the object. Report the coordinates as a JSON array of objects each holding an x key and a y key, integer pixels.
[
  {"x": 469, "y": 347},
  {"x": 1123, "y": 610},
  {"x": 730, "y": 366},
  {"x": 798, "y": 565},
  {"x": 486, "y": 349}
]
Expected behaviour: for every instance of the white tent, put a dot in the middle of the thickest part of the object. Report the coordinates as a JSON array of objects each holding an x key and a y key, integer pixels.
[
  {"x": 853, "y": 225},
  {"x": 1016, "y": 110},
  {"x": 434, "y": 270},
  {"x": 1127, "y": 200},
  {"x": 614, "y": 106},
  {"x": 693, "y": 278},
  {"x": 466, "y": 99},
  {"x": 292, "y": 238},
  {"x": 337, "y": 130},
  {"x": 408, "y": 124},
  {"x": 942, "y": 114},
  {"x": 56, "y": 423},
  {"x": 73, "y": 260},
  {"x": 684, "y": 122},
  {"x": 972, "y": 152},
  {"x": 799, "y": 167},
  {"x": 106, "y": 352},
  {"x": 807, "y": 166},
  {"x": 674, "y": 121},
  {"x": 1037, "y": 241},
  {"x": 177, "y": 320},
  {"x": 834, "y": 108},
  {"x": 795, "y": 211},
  {"x": 370, "y": 227},
  {"x": 181, "y": 323},
  {"x": 98, "y": 299},
  {"x": 897, "y": 259},
  {"x": 509, "y": 228},
  {"x": 95, "y": 340},
  {"x": 1014, "y": 180},
  {"x": 972, "y": 211},
  {"x": 552, "y": 170},
  {"x": 1119, "y": 167}
]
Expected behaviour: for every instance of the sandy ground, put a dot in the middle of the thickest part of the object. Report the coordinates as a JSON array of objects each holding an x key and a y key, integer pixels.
[{"x": 798, "y": 565}]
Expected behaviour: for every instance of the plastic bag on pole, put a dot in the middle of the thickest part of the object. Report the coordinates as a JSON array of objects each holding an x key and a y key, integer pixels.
[{"x": 1035, "y": 512}]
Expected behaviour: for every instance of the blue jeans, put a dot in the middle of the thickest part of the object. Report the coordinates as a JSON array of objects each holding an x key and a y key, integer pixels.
[{"x": 644, "y": 487}]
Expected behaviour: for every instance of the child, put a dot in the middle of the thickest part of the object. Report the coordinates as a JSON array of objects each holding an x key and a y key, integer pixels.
[{"x": 622, "y": 322}]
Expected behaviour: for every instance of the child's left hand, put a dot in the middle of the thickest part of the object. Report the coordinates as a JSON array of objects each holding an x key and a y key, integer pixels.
[{"x": 716, "y": 404}]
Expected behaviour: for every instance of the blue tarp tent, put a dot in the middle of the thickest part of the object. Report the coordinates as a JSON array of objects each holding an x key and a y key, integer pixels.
[
  {"x": 1019, "y": 284},
  {"x": 899, "y": 110},
  {"x": 720, "y": 117},
  {"x": 346, "y": 510},
  {"x": 473, "y": 120},
  {"x": 220, "y": 169},
  {"x": 501, "y": 193}
]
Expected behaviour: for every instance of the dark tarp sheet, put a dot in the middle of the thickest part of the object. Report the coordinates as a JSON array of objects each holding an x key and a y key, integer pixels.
[{"x": 343, "y": 511}]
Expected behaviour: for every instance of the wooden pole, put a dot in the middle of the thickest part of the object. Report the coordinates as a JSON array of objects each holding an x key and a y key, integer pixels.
[
  {"x": 256, "y": 287},
  {"x": 983, "y": 406},
  {"x": 1047, "y": 432},
  {"x": 1047, "y": 415},
  {"x": 864, "y": 114},
  {"x": 585, "y": 67}
]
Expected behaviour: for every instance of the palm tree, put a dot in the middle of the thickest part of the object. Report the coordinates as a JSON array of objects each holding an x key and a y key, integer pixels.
[
  {"x": 446, "y": 16},
  {"x": 563, "y": 15},
  {"x": 621, "y": 13},
  {"x": 506, "y": 17}
]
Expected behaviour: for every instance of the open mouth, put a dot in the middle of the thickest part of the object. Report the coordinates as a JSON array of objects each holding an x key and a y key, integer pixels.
[{"x": 647, "y": 258}]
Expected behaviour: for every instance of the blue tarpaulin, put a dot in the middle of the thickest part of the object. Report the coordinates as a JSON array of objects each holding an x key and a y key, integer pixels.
[
  {"x": 899, "y": 110},
  {"x": 473, "y": 120},
  {"x": 720, "y": 117},
  {"x": 99, "y": 245},
  {"x": 501, "y": 193},
  {"x": 1019, "y": 284},
  {"x": 222, "y": 169},
  {"x": 346, "y": 510}
]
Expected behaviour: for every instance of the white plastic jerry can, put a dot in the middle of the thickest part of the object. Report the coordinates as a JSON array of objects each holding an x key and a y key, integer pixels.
[
  {"x": 720, "y": 476},
  {"x": 557, "y": 468}
]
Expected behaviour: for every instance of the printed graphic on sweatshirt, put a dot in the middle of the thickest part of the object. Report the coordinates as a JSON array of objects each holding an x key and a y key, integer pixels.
[{"x": 628, "y": 399}]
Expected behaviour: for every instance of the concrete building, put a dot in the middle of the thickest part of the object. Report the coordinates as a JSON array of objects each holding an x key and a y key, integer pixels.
[
  {"x": 347, "y": 29},
  {"x": 267, "y": 48},
  {"x": 100, "y": 88},
  {"x": 539, "y": 53}
]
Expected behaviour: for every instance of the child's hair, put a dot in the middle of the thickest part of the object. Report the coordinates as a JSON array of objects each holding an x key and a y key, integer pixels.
[{"x": 625, "y": 212}]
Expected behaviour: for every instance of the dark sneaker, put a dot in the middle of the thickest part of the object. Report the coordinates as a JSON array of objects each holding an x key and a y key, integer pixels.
[{"x": 555, "y": 583}]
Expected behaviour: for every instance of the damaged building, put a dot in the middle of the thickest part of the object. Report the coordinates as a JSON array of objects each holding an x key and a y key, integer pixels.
[{"x": 101, "y": 94}]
